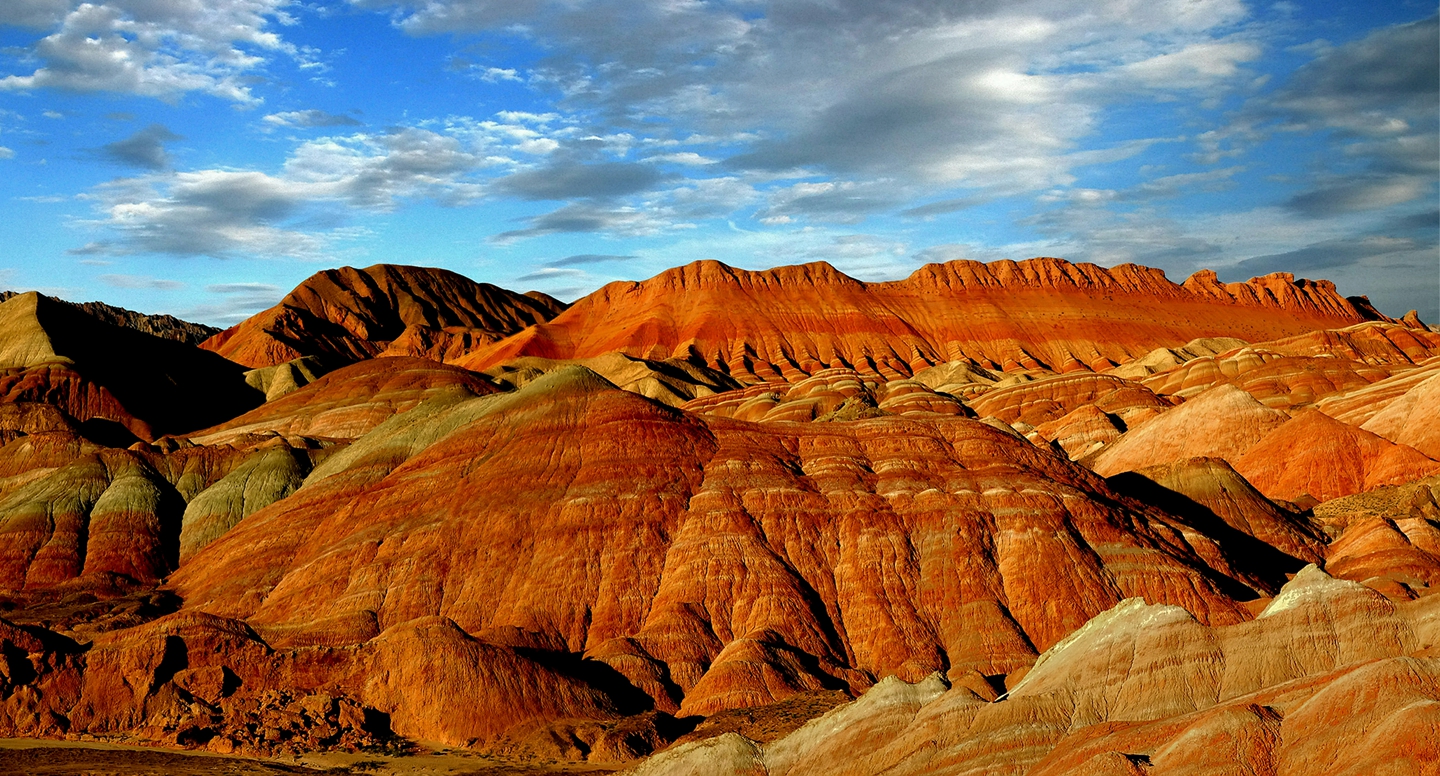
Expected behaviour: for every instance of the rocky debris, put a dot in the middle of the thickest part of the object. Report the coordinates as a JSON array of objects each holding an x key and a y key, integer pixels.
[
  {"x": 789, "y": 322},
  {"x": 350, "y": 314}
]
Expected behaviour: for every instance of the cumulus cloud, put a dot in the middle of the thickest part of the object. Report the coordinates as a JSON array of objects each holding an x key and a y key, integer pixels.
[
  {"x": 151, "y": 48},
  {"x": 929, "y": 96},
  {"x": 145, "y": 148},
  {"x": 306, "y": 119},
  {"x": 298, "y": 212}
]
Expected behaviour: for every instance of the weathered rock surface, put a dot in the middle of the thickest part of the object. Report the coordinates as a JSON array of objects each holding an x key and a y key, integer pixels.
[
  {"x": 348, "y": 402},
  {"x": 350, "y": 314},
  {"x": 1223, "y": 422},
  {"x": 673, "y": 381},
  {"x": 1041, "y": 313},
  {"x": 1324, "y": 681},
  {"x": 1313, "y": 455},
  {"x": 52, "y": 352},
  {"x": 739, "y": 563},
  {"x": 829, "y": 394}
]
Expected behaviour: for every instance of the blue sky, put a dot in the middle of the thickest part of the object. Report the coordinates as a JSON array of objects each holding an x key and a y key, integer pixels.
[{"x": 201, "y": 157}]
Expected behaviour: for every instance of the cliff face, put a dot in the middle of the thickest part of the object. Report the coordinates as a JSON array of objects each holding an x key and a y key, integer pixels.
[
  {"x": 350, "y": 314},
  {"x": 1042, "y": 313},
  {"x": 164, "y": 326},
  {"x": 52, "y": 352}
]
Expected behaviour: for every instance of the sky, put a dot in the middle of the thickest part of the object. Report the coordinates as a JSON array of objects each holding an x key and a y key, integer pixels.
[{"x": 202, "y": 157}]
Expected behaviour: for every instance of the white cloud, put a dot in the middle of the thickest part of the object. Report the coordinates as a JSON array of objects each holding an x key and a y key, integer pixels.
[
  {"x": 309, "y": 118},
  {"x": 155, "y": 48},
  {"x": 6, "y": 153},
  {"x": 300, "y": 212}
]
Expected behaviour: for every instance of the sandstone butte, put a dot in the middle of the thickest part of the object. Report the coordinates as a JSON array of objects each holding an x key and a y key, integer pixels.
[
  {"x": 1040, "y": 313},
  {"x": 349, "y": 314},
  {"x": 1076, "y": 536}
]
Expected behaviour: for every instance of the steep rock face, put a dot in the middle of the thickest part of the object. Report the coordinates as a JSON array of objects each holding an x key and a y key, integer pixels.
[
  {"x": 1317, "y": 456},
  {"x": 792, "y": 321},
  {"x": 1198, "y": 486},
  {"x": 52, "y": 352},
  {"x": 349, "y": 314},
  {"x": 1322, "y": 682},
  {"x": 716, "y": 561},
  {"x": 1223, "y": 422},
  {"x": 164, "y": 326},
  {"x": 348, "y": 402}
]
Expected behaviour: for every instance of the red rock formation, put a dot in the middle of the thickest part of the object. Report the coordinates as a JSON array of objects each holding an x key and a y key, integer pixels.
[
  {"x": 1412, "y": 419},
  {"x": 1299, "y": 371},
  {"x": 741, "y": 562},
  {"x": 783, "y": 323},
  {"x": 1223, "y": 422},
  {"x": 829, "y": 394},
  {"x": 1325, "y": 680},
  {"x": 1044, "y": 400},
  {"x": 348, "y": 402},
  {"x": 1359, "y": 406},
  {"x": 1317, "y": 456},
  {"x": 349, "y": 314}
]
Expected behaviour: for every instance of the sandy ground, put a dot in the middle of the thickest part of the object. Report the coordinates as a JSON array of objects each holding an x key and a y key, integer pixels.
[{"x": 43, "y": 757}]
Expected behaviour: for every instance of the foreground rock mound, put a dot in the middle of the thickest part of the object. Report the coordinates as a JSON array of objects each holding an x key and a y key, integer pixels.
[
  {"x": 349, "y": 314},
  {"x": 1327, "y": 680},
  {"x": 712, "y": 563}
]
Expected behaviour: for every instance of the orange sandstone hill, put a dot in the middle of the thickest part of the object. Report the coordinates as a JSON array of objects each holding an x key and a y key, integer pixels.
[
  {"x": 1041, "y": 313},
  {"x": 1016, "y": 518},
  {"x": 349, "y": 314}
]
